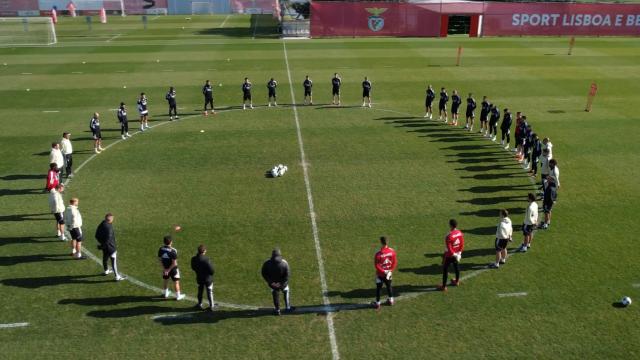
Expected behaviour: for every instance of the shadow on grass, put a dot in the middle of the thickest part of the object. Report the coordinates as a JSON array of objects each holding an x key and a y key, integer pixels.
[
  {"x": 24, "y": 240},
  {"x": 370, "y": 293},
  {"x": 26, "y": 217},
  {"x": 483, "y": 189},
  {"x": 11, "y": 192},
  {"x": 110, "y": 300},
  {"x": 493, "y": 212},
  {"x": 21, "y": 259},
  {"x": 38, "y": 282},
  {"x": 25, "y": 176}
]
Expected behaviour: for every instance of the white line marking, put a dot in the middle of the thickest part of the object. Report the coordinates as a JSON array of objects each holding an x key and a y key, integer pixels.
[
  {"x": 212, "y": 69},
  {"x": 255, "y": 27},
  {"x": 50, "y": 111},
  {"x": 13, "y": 325},
  {"x": 167, "y": 70},
  {"x": 120, "y": 71},
  {"x": 312, "y": 213},
  {"x": 516, "y": 294},
  {"x": 26, "y": 73},
  {"x": 224, "y": 22},
  {"x": 113, "y": 37},
  {"x": 636, "y": 285},
  {"x": 130, "y": 278},
  {"x": 155, "y": 17},
  {"x": 76, "y": 72}
]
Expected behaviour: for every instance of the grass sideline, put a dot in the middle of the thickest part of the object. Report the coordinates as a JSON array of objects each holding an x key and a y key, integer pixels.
[{"x": 372, "y": 171}]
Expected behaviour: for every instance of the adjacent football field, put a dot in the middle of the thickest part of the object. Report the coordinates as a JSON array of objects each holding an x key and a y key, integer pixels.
[{"x": 367, "y": 172}]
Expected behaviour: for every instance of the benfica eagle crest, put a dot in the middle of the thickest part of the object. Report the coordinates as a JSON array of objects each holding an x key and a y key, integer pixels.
[{"x": 376, "y": 22}]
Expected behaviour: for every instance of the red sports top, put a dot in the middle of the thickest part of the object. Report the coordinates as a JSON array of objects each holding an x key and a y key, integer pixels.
[
  {"x": 454, "y": 242},
  {"x": 385, "y": 259},
  {"x": 52, "y": 179}
]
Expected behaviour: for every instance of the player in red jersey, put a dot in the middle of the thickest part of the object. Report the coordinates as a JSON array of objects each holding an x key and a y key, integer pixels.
[
  {"x": 455, "y": 244},
  {"x": 385, "y": 262},
  {"x": 52, "y": 177}
]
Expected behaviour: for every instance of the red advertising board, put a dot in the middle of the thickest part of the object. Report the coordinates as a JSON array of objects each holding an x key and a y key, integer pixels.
[
  {"x": 560, "y": 19},
  {"x": 372, "y": 19},
  {"x": 18, "y": 7}
]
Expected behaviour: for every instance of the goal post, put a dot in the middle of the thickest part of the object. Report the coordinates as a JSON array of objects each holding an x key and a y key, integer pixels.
[
  {"x": 27, "y": 31},
  {"x": 92, "y": 6},
  {"x": 201, "y": 8}
]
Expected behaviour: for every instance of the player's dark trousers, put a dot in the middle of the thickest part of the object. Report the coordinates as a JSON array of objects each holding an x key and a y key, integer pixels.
[
  {"x": 506, "y": 135},
  {"x": 387, "y": 283},
  {"x": 208, "y": 101},
  {"x": 445, "y": 269},
  {"x": 173, "y": 109},
  {"x": 209, "y": 288},
  {"x": 68, "y": 163},
  {"x": 493, "y": 129},
  {"x": 276, "y": 298},
  {"x": 105, "y": 262},
  {"x": 124, "y": 127}
]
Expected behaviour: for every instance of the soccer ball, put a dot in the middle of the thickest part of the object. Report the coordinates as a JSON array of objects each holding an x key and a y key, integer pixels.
[{"x": 626, "y": 301}]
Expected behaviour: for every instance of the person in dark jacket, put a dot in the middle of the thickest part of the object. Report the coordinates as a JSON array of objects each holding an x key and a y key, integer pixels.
[
  {"x": 275, "y": 272},
  {"x": 204, "y": 275},
  {"x": 505, "y": 127},
  {"x": 107, "y": 243}
]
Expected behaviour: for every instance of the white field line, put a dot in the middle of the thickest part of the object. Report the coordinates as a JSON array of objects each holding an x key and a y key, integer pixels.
[
  {"x": 636, "y": 285},
  {"x": 13, "y": 325},
  {"x": 167, "y": 70},
  {"x": 120, "y": 71},
  {"x": 224, "y": 22},
  {"x": 132, "y": 279},
  {"x": 26, "y": 73},
  {"x": 113, "y": 37},
  {"x": 77, "y": 72},
  {"x": 255, "y": 27},
  {"x": 516, "y": 294},
  {"x": 50, "y": 111},
  {"x": 155, "y": 17},
  {"x": 312, "y": 213}
]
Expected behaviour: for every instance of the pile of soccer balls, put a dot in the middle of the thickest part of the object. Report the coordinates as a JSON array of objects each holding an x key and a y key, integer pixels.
[{"x": 279, "y": 170}]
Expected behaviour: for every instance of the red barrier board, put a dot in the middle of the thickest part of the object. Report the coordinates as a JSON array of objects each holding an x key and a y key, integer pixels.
[
  {"x": 18, "y": 7},
  {"x": 372, "y": 19},
  {"x": 560, "y": 19}
]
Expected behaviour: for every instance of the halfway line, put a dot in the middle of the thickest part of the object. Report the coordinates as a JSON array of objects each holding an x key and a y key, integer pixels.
[{"x": 312, "y": 213}]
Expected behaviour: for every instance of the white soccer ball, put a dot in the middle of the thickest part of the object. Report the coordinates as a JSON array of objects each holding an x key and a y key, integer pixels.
[{"x": 626, "y": 301}]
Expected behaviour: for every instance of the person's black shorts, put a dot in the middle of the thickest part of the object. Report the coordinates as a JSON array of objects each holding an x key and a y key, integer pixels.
[
  {"x": 59, "y": 218},
  {"x": 246, "y": 96},
  {"x": 97, "y": 134},
  {"x": 307, "y": 92},
  {"x": 454, "y": 110},
  {"x": 549, "y": 198},
  {"x": 174, "y": 274},
  {"x": 366, "y": 93},
  {"x": 76, "y": 234},
  {"x": 442, "y": 106},
  {"x": 272, "y": 93},
  {"x": 501, "y": 244},
  {"x": 471, "y": 114},
  {"x": 335, "y": 91},
  {"x": 428, "y": 102},
  {"x": 527, "y": 229},
  {"x": 484, "y": 117}
]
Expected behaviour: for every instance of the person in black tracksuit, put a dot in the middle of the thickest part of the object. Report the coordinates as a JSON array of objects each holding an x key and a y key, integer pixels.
[
  {"x": 204, "y": 276},
  {"x": 173, "y": 107},
  {"x": 505, "y": 127},
  {"x": 124, "y": 121},
  {"x": 207, "y": 91},
  {"x": 493, "y": 122},
  {"x": 275, "y": 272},
  {"x": 107, "y": 243}
]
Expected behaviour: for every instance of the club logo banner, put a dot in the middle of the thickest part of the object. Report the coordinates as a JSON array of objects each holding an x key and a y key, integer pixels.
[{"x": 376, "y": 22}]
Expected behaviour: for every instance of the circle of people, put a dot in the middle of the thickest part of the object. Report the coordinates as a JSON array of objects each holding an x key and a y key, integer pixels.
[{"x": 529, "y": 150}]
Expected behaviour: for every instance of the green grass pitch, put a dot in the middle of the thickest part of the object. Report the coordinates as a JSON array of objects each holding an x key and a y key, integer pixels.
[{"x": 375, "y": 171}]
